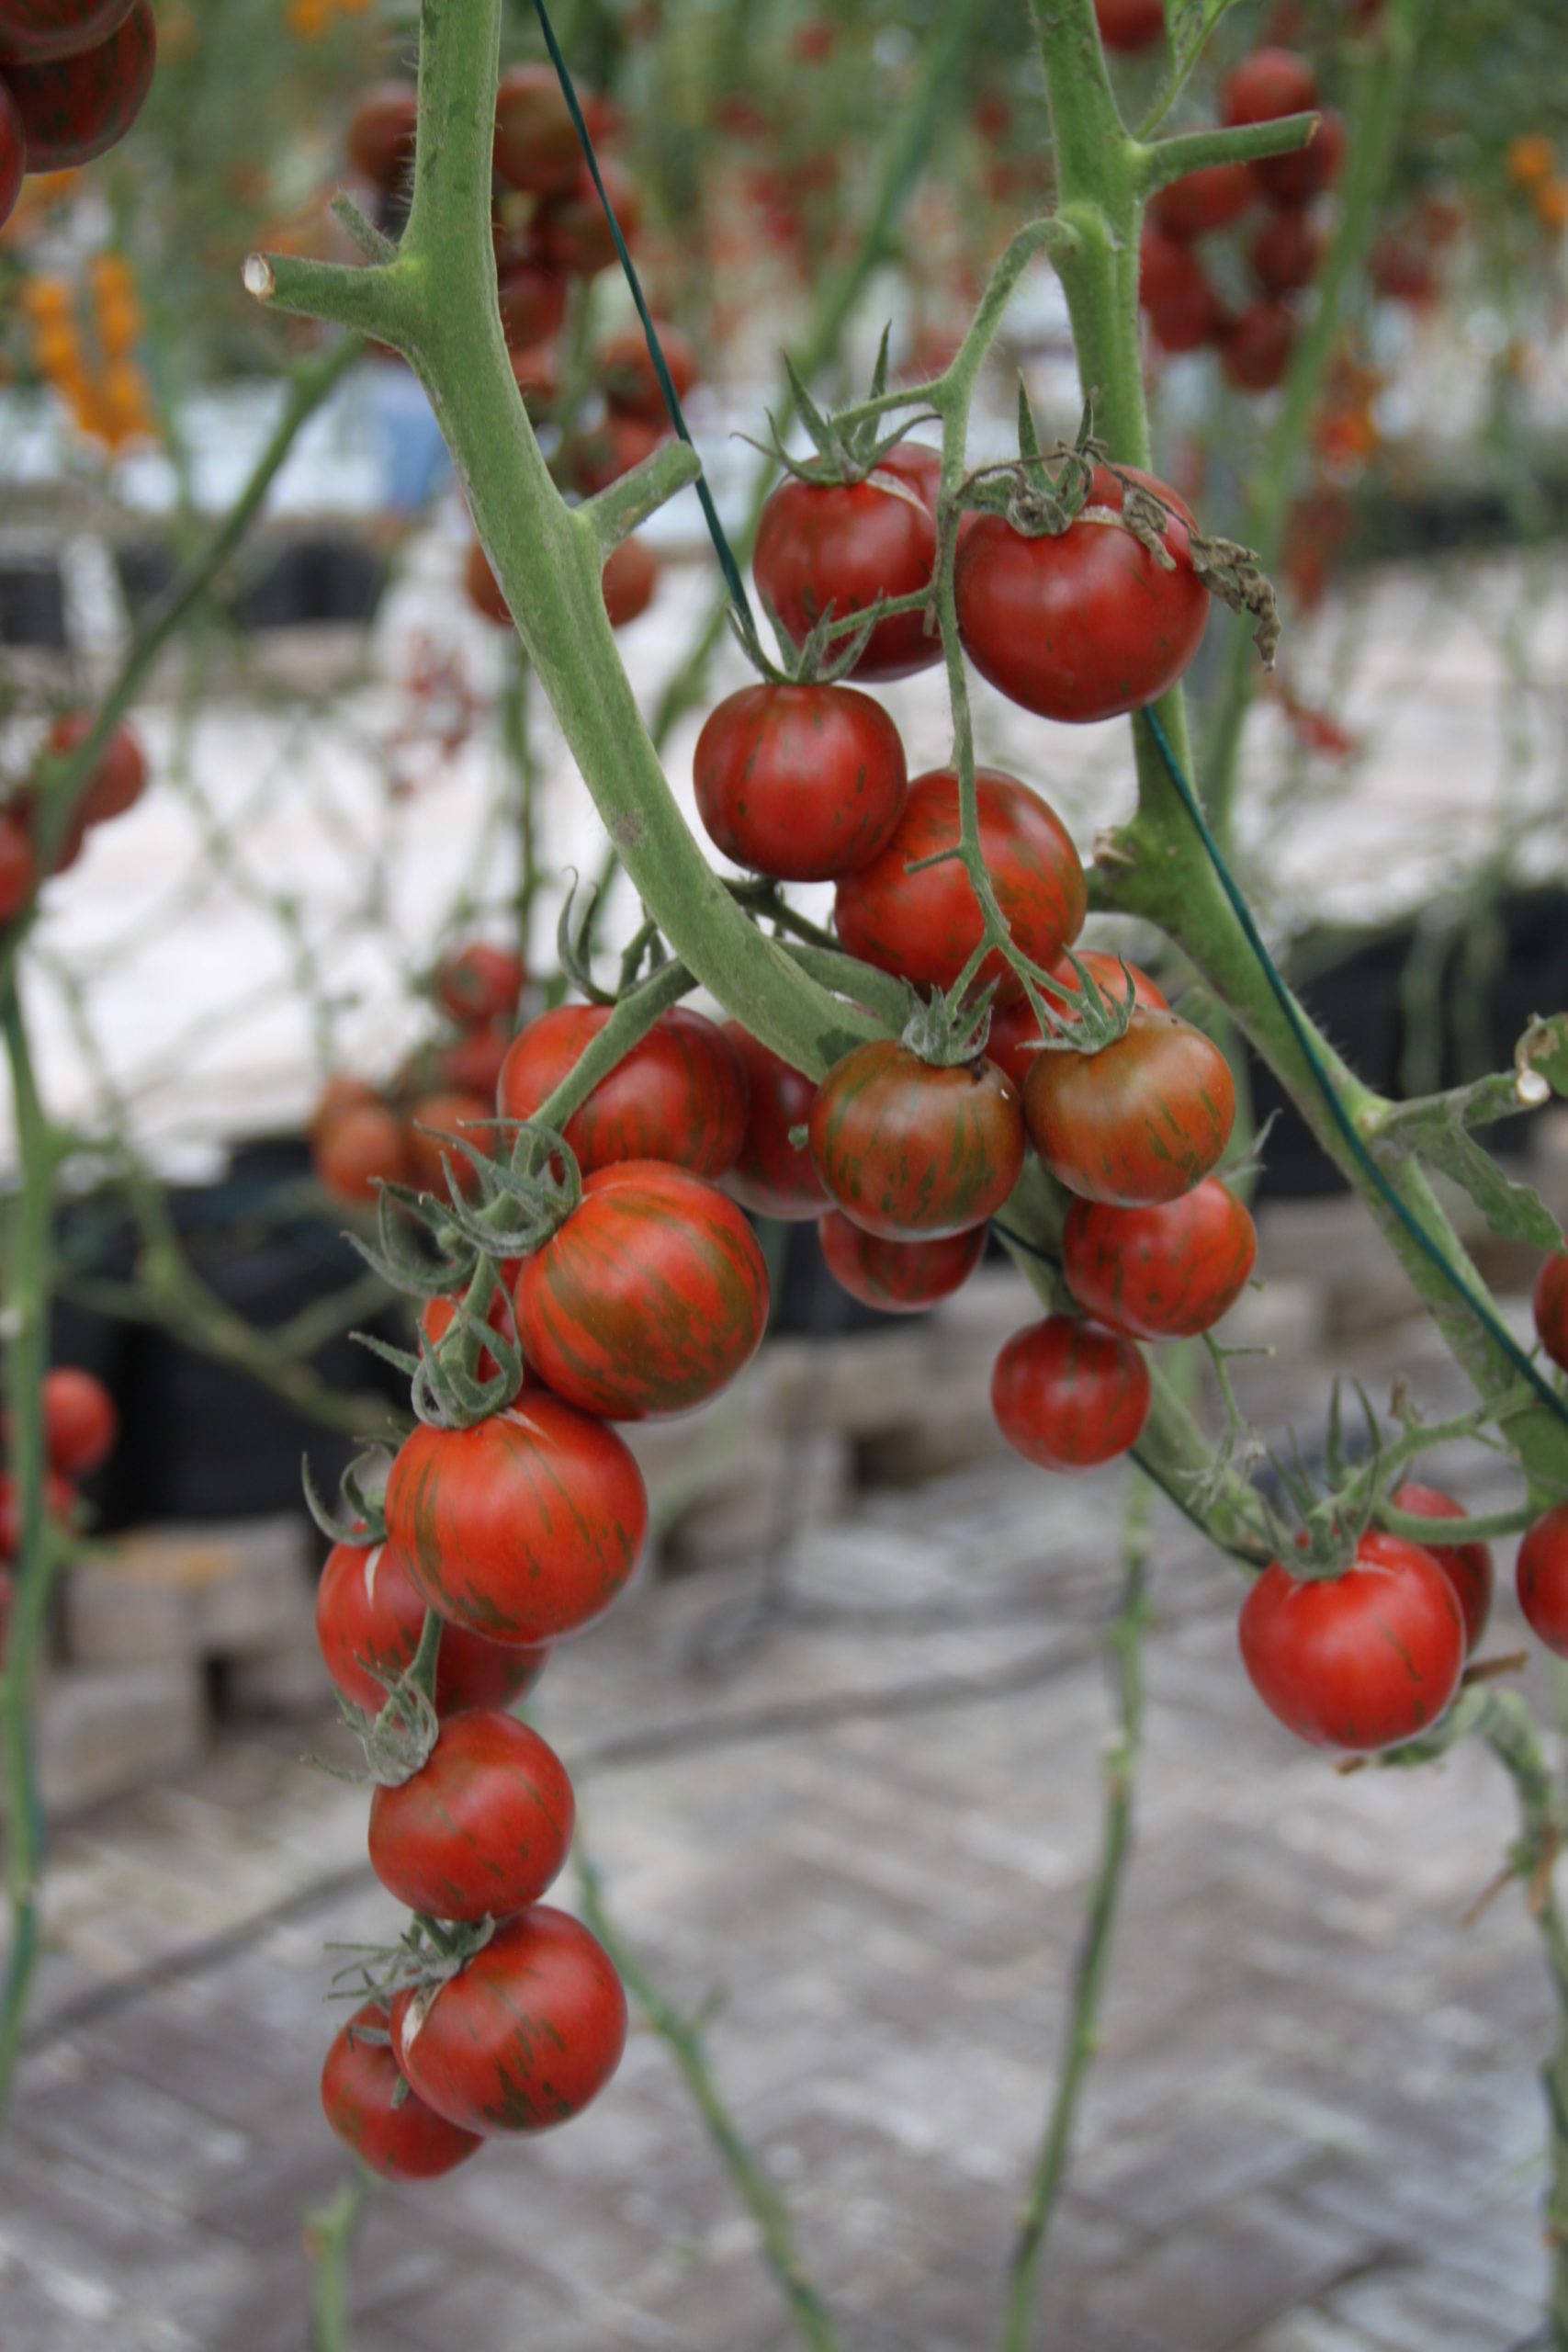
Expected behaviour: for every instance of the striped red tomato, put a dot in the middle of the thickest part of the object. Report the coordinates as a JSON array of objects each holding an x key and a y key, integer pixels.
[
  {"x": 898, "y": 1277},
  {"x": 1166, "y": 1272},
  {"x": 481, "y": 1828},
  {"x": 773, "y": 1176},
  {"x": 1360, "y": 1661},
  {"x": 1069, "y": 1396},
  {"x": 1142, "y": 1121},
  {"x": 913, "y": 1151},
  {"x": 680, "y": 1094},
  {"x": 370, "y": 1617},
  {"x": 371, "y": 2109},
  {"x": 73, "y": 109}
]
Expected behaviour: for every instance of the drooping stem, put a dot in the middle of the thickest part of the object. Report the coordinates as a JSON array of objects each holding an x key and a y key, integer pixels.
[
  {"x": 683, "y": 2038},
  {"x": 28, "y": 1261},
  {"x": 1081, "y": 2035}
]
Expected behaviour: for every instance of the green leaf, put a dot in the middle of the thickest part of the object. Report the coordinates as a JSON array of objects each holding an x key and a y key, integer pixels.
[
  {"x": 1514, "y": 1211},
  {"x": 1544, "y": 1047}
]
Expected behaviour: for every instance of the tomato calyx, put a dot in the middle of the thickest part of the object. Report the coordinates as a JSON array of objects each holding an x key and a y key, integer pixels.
[
  {"x": 361, "y": 1520},
  {"x": 947, "y": 1035},
  {"x": 1094, "y": 1017},
  {"x": 849, "y": 449},
  {"x": 428, "y": 1955},
  {"x": 399, "y": 1740}
]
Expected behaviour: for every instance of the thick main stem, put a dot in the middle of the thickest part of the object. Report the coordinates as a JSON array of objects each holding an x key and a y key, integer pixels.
[
  {"x": 1081, "y": 2036},
  {"x": 26, "y": 1290}
]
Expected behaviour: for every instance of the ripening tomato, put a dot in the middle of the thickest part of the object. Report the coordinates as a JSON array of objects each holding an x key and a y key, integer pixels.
[
  {"x": 1081, "y": 624},
  {"x": 926, "y": 926},
  {"x": 1014, "y": 1040},
  {"x": 482, "y": 588},
  {"x": 1286, "y": 253},
  {"x": 478, "y": 983},
  {"x": 1550, "y": 1304},
  {"x": 438, "y": 1125},
  {"x": 361, "y": 1148},
  {"x": 629, "y": 579},
  {"x": 1256, "y": 347},
  {"x": 33, "y": 31},
  {"x": 371, "y": 2109},
  {"x": 1160, "y": 1273},
  {"x": 381, "y": 134},
  {"x": 1069, "y": 1395},
  {"x": 1362, "y": 1661},
  {"x": 19, "y": 867},
  {"x": 537, "y": 374},
  {"x": 473, "y": 1063},
  {"x": 610, "y": 449},
  {"x": 650, "y": 1298},
  {"x": 370, "y": 1617},
  {"x": 1206, "y": 200},
  {"x": 626, "y": 369},
  {"x": 911, "y": 1151},
  {"x": 573, "y": 230},
  {"x": 772, "y": 1176},
  {"x": 533, "y": 302},
  {"x": 73, "y": 109},
  {"x": 523, "y": 1528},
  {"x": 1142, "y": 1121},
  {"x": 481, "y": 1828},
  {"x": 846, "y": 544},
  {"x": 1542, "y": 1578},
  {"x": 680, "y": 1094},
  {"x": 523, "y": 2036},
  {"x": 898, "y": 1277},
  {"x": 537, "y": 146},
  {"x": 80, "y": 1422},
  {"x": 120, "y": 777},
  {"x": 1268, "y": 84},
  {"x": 1468, "y": 1567},
  {"x": 801, "y": 783},
  {"x": 1294, "y": 180},
  {"x": 13, "y": 156},
  {"x": 1130, "y": 25}
]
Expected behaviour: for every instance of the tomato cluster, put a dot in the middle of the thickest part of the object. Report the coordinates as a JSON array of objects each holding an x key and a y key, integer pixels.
[
  {"x": 80, "y": 1427},
  {"x": 1283, "y": 249},
  {"x": 116, "y": 786},
  {"x": 551, "y": 230},
  {"x": 363, "y": 1136},
  {"x": 74, "y": 74}
]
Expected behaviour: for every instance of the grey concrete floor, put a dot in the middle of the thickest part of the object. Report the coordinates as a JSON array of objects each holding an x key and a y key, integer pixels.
[{"x": 1315, "y": 2124}]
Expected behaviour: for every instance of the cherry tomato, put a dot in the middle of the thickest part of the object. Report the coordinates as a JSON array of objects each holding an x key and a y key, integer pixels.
[
  {"x": 401, "y": 2139},
  {"x": 19, "y": 869},
  {"x": 523, "y": 1528},
  {"x": 802, "y": 782},
  {"x": 1360, "y": 1661},
  {"x": 80, "y": 1422},
  {"x": 680, "y": 1094},
  {"x": 482, "y": 1829},
  {"x": 13, "y": 156},
  {"x": 1256, "y": 347},
  {"x": 926, "y": 926},
  {"x": 34, "y": 31},
  {"x": 1286, "y": 253},
  {"x": 1206, "y": 200},
  {"x": 438, "y": 1125},
  {"x": 73, "y": 109},
  {"x": 1550, "y": 1306},
  {"x": 912, "y": 1152},
  {"x": 1290, "y": 181},
  {"x": 120, "y": 777},
  {"x": 1141, "y": 1121},
  {"x": 537, "y": 146},
  {"x": 610, "y": 449},
  {"x": 478, "y": 983},
  {"x": 533, "y": 302},
  {"x": 1130, "y": 25},
  {"x": 473, "y": 1063},
  {"x": 899, "y": 1277},
  {"x": 630, "y": 577},
  {"x": 648, "y": 1299},
  {"x": 483, "y": 589},
  {"x": 438, "y": 1316},
  {"x": 523, "y": 2036},
  {"x": 1186, "y": 319},
  {"x": 1268, "y": 84},
  {"x": 537, "y": 377},
  {"x": 381, "y": 134},
  {"x": 370, "y": 1617},
  {"x": 771, "y": 1176},
  {"x": 1084, "y": 624},
  {"x": 1542, "y": 1578},
  {"x": 1069, "y": 1395},
  {"x": 626, "y": 369},
  {"x": 572, "y": 231},
  {"x": 1015, "y": 1040},
  {"x": 846, "y": 544},
  {"x": 1468, "y": 1567},
  {"x": 362, "y": 1149},
  {"x": 1160, "y": 1273}
]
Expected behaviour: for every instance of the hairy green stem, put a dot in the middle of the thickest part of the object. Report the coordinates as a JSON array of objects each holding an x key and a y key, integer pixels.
[
  {"x": 329, "y": 2233},
  {"x": 683, "y": 2038}
]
